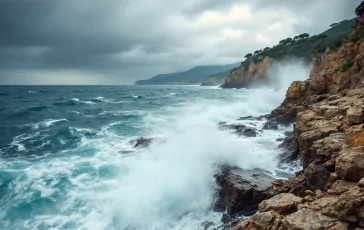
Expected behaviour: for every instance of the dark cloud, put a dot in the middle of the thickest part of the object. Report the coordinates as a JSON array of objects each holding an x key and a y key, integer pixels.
[{"x": 125, "y": 40}]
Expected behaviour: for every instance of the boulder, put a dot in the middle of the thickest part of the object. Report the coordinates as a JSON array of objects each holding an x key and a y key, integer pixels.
[
  {"x": 283, "y": 203},
  {"x": 290, "y": 147},
  {"x": 240, "y": 129},
  {"x": 307, "y": 219},
  {"x": 350, "y": 163},
  {"x": 341, "y": 186},
  {"x": 348, "y": 206},
  {"x": 271, "y": 124},
  {"x": 324, "y": 149},
  {"x": 142, "y": 142},
  {"x": 355, "y": 115},
  {"x": 317, "y": 176},
  {"x": 355, "y": 136},
  {"x": 263, "y": 221},
  {"x": 242, "y": 190}
]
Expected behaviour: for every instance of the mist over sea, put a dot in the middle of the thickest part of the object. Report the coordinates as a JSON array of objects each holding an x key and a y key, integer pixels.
[{"x": 66, "y": 161}]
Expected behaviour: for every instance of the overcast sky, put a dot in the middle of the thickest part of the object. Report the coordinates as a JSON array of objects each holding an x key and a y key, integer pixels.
[{"x": 121, "y": 41}]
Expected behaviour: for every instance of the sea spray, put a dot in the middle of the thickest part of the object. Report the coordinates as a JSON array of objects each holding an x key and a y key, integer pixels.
[{"x": 82, "y": 172}]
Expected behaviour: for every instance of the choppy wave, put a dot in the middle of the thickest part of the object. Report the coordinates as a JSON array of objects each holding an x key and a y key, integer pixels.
[
  {"x": 74, "y": 101},
  {"x": 82, "y": 172},
  {"x": 25, "y": 111},
  {"x": 47, "y": 123}
]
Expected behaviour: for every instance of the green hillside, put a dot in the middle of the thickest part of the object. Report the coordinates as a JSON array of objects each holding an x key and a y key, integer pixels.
[
  {"x": 303, "y": 46},
  {"x": 192, "y": 76}
]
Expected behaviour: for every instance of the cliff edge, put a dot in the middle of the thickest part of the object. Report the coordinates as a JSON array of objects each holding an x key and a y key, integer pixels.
[
  {"x": 329, "y": 112},
  {"x": 254, "y": 68}
]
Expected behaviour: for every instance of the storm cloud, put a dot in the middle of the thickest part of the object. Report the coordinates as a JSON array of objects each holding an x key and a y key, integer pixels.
[{"x": 121, "y": 41}]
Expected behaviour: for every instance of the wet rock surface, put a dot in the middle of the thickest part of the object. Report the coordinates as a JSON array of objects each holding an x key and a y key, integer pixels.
[
  {"x": 142, "y": 142},
  {"x": 332, "y": 152},
  {"x": 329, "y": 131},
  {"x": 240, "y": 129},
  {"x": 242, "y": 190}
]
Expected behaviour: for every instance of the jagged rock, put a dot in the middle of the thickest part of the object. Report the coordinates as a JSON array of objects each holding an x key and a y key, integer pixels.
[
  {"x": 242, "y": 190},
  {"x": 355, "y": 115},
  {"x": 241, "y": 130},
  {"x": 341, "y": 186},
  {"x": 308, "y": 219},
  {"x": 244, "y": 76},
  {"x": 296, "y": 90},
  {"x": 290, "y": 145},
  {"x": 323, "y": 150},
  {"x": 350, "y": 163},
  {"x": 207, "y": 224},
  {"x": 283, "y": 203},
  {"x": 361, "y": 182},
  {"x": 347, "y": 206},
  {"x": 263, "y": 221},
  {"x": 142, "y": 142},
  {"x": 246, "y": 118},
  {"x": 295, "y": 185},
  {"x": 317, "y": 176},
  {"x": 271, "y": 124},
  {"x": 355, "y": 136},
  {"x": 250, "y": 132},
  {"x": 330, "y": 135}
]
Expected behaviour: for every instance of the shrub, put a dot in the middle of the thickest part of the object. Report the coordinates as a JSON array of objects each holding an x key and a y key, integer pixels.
[
  {"x": 360, "y": 9},
  {"x": 347, "y": 66},
  {"x": 344, "y": 93}
]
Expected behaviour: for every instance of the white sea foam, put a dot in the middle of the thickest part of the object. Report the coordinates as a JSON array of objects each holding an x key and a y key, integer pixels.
[
  {"x": 76, "y": 100},
  {"x": 47, "y": 123},
  {"x": 168, "y": 186}
]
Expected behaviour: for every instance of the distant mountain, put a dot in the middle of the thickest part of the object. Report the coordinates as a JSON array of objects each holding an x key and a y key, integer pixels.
[
  {"x": 193, "y": 76},
  {"x": 215, "y": 79}
]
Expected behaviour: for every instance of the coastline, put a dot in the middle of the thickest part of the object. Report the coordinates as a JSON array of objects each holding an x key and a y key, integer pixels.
[{"x": 328, "y": 115}]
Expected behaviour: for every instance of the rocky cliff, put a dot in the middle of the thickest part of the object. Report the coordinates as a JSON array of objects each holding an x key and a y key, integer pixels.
[
  {"x": 247, "y": 74},
  {"x": 329, "y": 112},
  {"x": 254, "y": 68}
]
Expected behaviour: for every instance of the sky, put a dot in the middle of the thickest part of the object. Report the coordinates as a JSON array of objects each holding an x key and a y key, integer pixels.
[{"x": 120, "y": 41}]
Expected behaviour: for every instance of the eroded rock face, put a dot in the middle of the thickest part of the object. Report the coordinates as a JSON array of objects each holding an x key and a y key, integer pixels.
[
  {"x": 308, "y": 219},
  {"x": 355, "y": 115},
  {"x": 282, "y": 203},
  {"x": 242, "y": 190},
  {"x": 239, "y": 129},
  {"x": 244, "y": 76},
  {"x": 350, "y": 163},
  {"x": 330, "y": 186},
  {"x": 329, "y": 128}
]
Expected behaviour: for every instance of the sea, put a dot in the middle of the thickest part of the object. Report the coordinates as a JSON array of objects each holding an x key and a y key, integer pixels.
[{"x": 67, "y": 160}]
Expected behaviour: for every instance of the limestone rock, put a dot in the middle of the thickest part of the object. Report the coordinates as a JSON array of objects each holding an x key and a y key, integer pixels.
[
  {"x": 282, "y": 203},
  {"x": 350, "y": 163},
  {"x": 308, "y": 219},
  {"x": 355, "y": 115},
  {"x": 317, "y": 176},
  {"x": 341, "y": 186},
  {"x": 355, "y": 136},
  {"x": 361, "y": 182},
  {"x": 347, "y": 206},
  {"x": 246, "y": 75},
  {"x": 263, "y": 221}
]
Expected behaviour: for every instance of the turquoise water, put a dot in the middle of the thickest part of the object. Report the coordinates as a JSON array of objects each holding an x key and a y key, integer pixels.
[{"x": 67, "y": 163}]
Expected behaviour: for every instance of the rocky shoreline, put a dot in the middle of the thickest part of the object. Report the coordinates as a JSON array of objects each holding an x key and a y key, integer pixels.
[
  {"x": 328, "y": 138},
  {"x": 328, "y": 111}
]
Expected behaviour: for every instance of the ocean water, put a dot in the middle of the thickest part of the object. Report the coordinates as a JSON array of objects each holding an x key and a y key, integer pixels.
[{"x": 66, "y": 161}]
